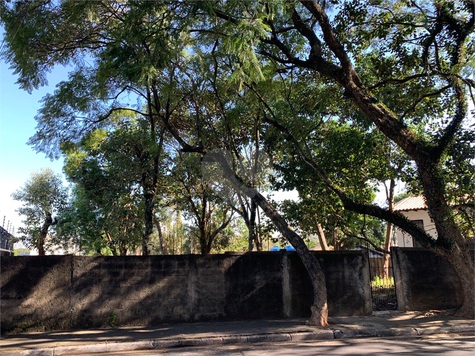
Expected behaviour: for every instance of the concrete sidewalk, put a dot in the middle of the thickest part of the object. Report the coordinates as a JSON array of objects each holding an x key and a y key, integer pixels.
[{"x": 217, "y": 333}]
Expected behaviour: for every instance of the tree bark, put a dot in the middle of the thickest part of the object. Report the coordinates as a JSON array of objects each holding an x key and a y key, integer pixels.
[
  {"x": 253, "y": 239},
  {"x": 204, "y": 250},
  {"x": 44, "y": 233},
  {"x": 389, "y": 230},
  {"x": 163, "y": 248},
  {"x": 148, "y": 220},
  {"x": 319, "y": 308},
  {"x": 150, "y": 177},
  {"x": 321, "y": 237},
  {"x": 463, "y": 263}
]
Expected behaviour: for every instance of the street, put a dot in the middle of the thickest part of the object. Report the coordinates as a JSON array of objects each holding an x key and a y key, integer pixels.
[{"x": 447, "y": 345}]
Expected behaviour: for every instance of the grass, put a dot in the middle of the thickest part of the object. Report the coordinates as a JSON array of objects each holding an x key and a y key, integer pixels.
[{"x": 380, "y": 282}]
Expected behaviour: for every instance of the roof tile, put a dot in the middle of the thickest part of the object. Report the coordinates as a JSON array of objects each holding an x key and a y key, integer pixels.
[{"x": 411, "y": 203}]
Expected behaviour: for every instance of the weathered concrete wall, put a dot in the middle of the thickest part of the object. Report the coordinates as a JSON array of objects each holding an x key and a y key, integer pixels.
[
  {"x": 347, "y": 275},
  {"x": 424, "y": 280},
  {"x": 61, "y": 292},
  {"x": 35, "y": 292}
]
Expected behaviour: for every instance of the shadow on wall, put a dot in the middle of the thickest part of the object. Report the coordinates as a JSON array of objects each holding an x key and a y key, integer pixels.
[
  {"x": 64, "y": 292},
  {"x": 425, "y": 280},
  {"x": 32, "y": 291}
]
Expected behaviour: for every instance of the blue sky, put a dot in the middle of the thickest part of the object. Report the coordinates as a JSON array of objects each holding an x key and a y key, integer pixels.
[{"x": 17, "y": 124}]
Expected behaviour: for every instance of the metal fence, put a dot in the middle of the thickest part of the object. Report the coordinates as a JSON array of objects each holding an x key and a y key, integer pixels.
[{"x": 383, "y": 288}]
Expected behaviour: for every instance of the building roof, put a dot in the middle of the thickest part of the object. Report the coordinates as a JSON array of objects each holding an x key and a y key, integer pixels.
[
  {"x": 411, "y": 203},
  {"x": 4, "y": 233}
]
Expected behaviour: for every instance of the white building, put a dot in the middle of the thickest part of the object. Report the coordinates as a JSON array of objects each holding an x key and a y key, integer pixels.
[{"x": 415, "y": 209}]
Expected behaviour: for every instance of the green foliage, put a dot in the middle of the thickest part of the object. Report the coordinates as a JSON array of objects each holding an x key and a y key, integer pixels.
[
  {"x": 112, "y": 320},
  {"x": 386, "y": 282},
  {"x": 107, "y": 172},
  {"x": 43, "y": 198},
  {"x": 225, "y": 75},
  {"x": 203, "y": 206},
  {"x": 401, "y": 196}
]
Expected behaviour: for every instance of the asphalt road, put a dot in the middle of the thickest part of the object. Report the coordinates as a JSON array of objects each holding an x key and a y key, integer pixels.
[{"x": 447, "y": 345}]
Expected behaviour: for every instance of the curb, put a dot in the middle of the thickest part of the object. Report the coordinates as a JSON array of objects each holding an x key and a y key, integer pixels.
[{"x": 337, "y": 333}]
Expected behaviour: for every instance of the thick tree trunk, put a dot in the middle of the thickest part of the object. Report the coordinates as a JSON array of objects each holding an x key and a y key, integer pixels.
[
  {"x": 450, "y": 241},
  {"x": 463, "y": 263}
]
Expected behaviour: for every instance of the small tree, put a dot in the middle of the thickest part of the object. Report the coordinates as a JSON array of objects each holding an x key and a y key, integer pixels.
[
  {"x": 43, "y": 196},
  {"x": 208, "y": 212}
]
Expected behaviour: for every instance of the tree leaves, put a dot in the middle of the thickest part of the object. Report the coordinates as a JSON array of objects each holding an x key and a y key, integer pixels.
[{"x": 43, "y": 197}]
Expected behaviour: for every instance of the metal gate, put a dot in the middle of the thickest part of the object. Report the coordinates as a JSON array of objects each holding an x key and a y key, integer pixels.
[{"x": 383, "y": 289}]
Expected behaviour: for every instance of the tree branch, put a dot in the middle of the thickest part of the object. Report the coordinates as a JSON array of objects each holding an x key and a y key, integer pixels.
[
  {"x": 428, "y": 95},
  {"x": 398, "y": 81},
  {"x": 454, "y": 125}
]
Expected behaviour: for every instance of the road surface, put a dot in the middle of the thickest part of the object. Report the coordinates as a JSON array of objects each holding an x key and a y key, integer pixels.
[{"x": 447, "y": 345}]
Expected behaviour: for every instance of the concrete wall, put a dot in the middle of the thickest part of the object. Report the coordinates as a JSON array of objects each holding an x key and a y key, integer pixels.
[
  {"x": 61, "y": 292},
  {"x": 424, "y": 280},
  {"x": 35, "y": 291}
]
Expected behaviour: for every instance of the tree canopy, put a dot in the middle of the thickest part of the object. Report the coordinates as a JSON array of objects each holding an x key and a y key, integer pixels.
[{"x": 43, "y": 197}]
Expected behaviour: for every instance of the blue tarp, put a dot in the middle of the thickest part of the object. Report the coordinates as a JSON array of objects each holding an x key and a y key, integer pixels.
[{"x": 277, "y": 248}]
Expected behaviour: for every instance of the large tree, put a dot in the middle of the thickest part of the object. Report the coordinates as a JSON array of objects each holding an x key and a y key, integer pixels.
[
  {"x": 112, "y": 170},
  {"x": 43, "y": 197}
]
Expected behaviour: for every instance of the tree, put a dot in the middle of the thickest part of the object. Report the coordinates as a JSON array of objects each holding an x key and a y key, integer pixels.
[
  {"x": 217, "y": 122},
  {"x": 209, "y": 213},
  {"x": 237, "y": 133},
  {"x": 82, "y": 223},
  {"x": 118, "y": 72},
  {"x": 134, "y": 149},
  {"x": 107, "y": 206},
  {"x": 43, "y": 197},
  {"x": 69, "y": 112}
]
